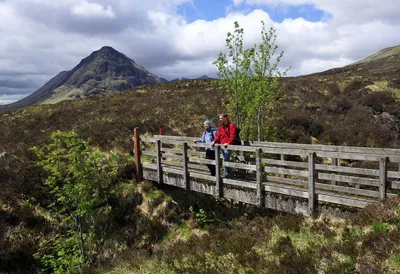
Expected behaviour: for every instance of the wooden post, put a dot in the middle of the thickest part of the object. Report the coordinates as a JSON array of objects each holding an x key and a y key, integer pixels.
[
  {"x": 382, "y": 178},
  {"x": 136, "y": 149},
  {"x": 259, "y": 176},
  {"x": 335, "y": 162},
  {"x": 283, "y": 158},
  {"x": 185, "y": 165},
  {"x": 311, "y": 183},
  {"x": 218, "y": 179},
  {"x": 159, "y": 165}
]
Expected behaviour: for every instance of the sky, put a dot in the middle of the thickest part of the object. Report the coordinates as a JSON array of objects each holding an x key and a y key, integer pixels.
[{"x": 182, "y": 38}]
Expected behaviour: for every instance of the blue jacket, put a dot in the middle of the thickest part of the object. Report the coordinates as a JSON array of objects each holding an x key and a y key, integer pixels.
[{"x": 208, "y": 137}]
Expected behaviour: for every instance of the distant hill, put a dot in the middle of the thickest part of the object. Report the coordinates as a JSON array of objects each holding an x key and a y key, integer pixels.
[
  {"x": 180, "y": 79},
  {"x": 185, "y": 78},
  {"x": 383, "y": 63},
  {"x": 103, "y": 71},
  {"x": 204, "y": 77}
]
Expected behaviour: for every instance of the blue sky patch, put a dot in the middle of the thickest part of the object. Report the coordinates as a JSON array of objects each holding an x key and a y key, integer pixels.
[{"x": 212, "y": 9}]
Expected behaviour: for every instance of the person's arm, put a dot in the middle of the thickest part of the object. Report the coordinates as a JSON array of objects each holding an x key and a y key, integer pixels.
[
  {"x": 232, "y": 133},
  {"x": 202, "y": 139},
  {"x": 217, "y": 138}
]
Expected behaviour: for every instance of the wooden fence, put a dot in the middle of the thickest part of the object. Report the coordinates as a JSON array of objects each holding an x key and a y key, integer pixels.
[{"x": 290, "y": 177}]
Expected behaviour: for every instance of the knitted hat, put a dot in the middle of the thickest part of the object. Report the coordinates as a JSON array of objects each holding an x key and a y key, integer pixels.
[{"x": 207, "y": 122}]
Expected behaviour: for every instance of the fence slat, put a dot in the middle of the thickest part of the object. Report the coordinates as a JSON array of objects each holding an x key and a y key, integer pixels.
[
  {"x": 136, "y": 141},
  {"x": 383, "y": 177},
  {"x": 259, "y": 177},
  {"x": 311, "y": 182},
  {"x": 185, "y": 165},
  {"x": 218, "y": 179},
  {"x": 159, "y": 164}
]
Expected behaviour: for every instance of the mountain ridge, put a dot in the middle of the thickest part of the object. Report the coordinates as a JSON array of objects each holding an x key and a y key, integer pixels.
[{"x": 103, "y": 71}]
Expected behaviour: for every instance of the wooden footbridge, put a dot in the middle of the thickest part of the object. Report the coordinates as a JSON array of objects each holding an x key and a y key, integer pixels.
[{"x": 297, "y": 178}]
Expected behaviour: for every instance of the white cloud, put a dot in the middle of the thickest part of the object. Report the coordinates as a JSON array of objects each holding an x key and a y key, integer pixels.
[
  {"x": 89, "y": 10},
  {"x": 40, "y": 38}
]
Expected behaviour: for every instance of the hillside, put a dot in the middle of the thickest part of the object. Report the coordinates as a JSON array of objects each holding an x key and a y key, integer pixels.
[
  {"x": 150, "y": 231},
  {"x": 380, "y": 70},
  {"x": 103, "y": 71}
]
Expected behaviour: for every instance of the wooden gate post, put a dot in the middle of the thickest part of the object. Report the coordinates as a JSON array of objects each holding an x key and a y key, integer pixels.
[
  {"x": 218, "y": 179},
  {"x": 382, "y": 178},
  {"x": 186, "y": 178},
  {"x": 311, "y": 183},
  {"x": 159, "y": 165},
  {"x": 137, "y": 152},
  {"x": 259, "y": 176}
]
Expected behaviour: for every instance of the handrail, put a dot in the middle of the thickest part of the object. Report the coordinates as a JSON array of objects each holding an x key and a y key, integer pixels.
[
  {"x": 317, "y": 174},
  {"x": 314, "y": 147}
]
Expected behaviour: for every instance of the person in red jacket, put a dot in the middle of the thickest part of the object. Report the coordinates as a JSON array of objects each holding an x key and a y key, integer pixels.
[{"x": 226, "y": 135}]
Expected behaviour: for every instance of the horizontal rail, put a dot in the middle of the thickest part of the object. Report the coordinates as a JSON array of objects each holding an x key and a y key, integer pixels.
[{"x": 329, "y": 148}]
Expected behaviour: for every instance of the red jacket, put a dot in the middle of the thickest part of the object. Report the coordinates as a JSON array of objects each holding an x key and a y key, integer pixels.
[{"x": 226, "y": 134}]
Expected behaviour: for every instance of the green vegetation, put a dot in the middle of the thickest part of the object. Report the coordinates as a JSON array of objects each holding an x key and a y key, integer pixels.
[
  {"x": 79, "y": 180},
  {"x": 132, "y": 227},
  {"x": 253, "y": 81}
]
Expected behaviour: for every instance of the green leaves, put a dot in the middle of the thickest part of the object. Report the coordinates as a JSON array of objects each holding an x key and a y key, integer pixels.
[
  {"x": 79, "y": 179},
  {"x": 252, "y": 79}
]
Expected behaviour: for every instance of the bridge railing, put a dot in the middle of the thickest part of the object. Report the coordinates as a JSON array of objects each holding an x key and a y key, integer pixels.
[{"x": 351, "y": 176}]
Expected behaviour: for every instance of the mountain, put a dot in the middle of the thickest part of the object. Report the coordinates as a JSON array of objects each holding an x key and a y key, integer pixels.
[
  {"x": 180, "y": 79},
  {"x": 163, "y": 80},
  {"x": 103, "y": 71},
  {"x": 204, "y": 77},
  {"x": 386, "y": 63}
]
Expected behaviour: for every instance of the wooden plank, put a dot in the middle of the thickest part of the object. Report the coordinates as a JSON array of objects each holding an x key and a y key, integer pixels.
[
  {"x": 240, "y": 148},
  {"x": 286, "y": 191},
  {"x": 238, "y": 183},
  {"x": 179, "y": 152},
  {"x": 173, "y": 163},
  {"x": 159, "y": 162},
  {"x": 335, "y": 163},
  {"x": 239, "y": 165},
  {"x": 314, "y": 147},
  {"x": 218, "y": 177},
  {"x": 202, "y": 161},
  {"x": 137, "y": 153},
  {"x": 393, "y": 174},
  {"x": 347, "y": 201},
  {"x": 383, "y": 177},
  {"x": 185, "y": 166},
  {"x": 311, "y": 182},
  {"x": 285, "y": 163},
  {"x": 171, "y": 156},
  {"x": 352, "y": 170},
  {"x": 148, "y": 140},
  {"x": 348, "y": 156},
  {"x": 273, "y": 150},
  {"x": 149, "y": 153},
  {"x": 150, "y": 166},
  {"x": 293, "y": 172},
  {"x": 329, "y": 187},
  {"x": 259, "y": 178},
  {"x": 348, "y": 179},
  {"x": 179, "y": 138},
  {"x": 202, "y": 176},
  {"x": 173, "y": 170}
]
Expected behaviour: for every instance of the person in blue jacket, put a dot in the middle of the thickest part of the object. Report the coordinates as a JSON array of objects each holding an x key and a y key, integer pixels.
[{"x": 208, "y": 137}]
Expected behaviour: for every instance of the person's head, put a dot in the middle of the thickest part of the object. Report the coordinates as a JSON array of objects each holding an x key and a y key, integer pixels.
[
  {"x": 224, "y": 119},
  {"x": 207, "y": 124}
]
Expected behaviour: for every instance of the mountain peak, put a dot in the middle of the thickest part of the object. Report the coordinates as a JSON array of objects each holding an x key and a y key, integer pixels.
[{"x": 103, "y": 71}]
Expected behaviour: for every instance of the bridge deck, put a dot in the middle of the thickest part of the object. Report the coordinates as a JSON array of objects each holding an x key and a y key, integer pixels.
[{"x": 288, "y": 177}]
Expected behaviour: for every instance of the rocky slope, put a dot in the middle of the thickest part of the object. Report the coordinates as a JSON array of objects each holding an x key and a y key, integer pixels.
[{"x": 103, "y": 71}]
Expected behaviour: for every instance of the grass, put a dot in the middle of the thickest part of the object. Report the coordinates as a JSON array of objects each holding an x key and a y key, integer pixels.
[{"x": 383, "y": 86}]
